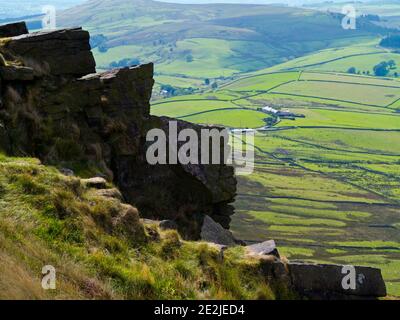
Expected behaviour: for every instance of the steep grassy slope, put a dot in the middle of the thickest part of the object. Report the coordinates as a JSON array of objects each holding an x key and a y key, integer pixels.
[
  {"x": 326, "y": 186},
  {"x": 50, "y": 219},
  {"x": 362, "y": 54},
  {"x": 227, "y": 38}
]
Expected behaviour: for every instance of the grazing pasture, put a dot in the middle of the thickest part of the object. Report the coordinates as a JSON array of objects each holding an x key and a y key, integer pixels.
[{"x": 326, "y": 186}]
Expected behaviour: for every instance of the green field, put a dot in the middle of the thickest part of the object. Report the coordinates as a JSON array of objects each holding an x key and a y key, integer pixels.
[
  {"x": 362, "y": 54},
  {"x": 327, "y": 186}
]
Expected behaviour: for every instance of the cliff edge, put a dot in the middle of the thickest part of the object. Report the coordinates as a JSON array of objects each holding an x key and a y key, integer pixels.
[{"x": 54, "y": 106}]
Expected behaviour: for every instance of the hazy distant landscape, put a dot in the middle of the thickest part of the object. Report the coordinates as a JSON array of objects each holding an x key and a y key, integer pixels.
[{"x": 20, "y": 8}]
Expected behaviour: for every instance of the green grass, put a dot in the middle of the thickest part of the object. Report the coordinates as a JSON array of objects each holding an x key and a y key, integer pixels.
[
  {"x": 273, "y": 218},
  {"x": 116, "y": 54},
  {"x": 339, "y": 118},
  {"x": 47, "y": 218},
  {"x": 341, "y": 77},
  {"x": 262, "y": 82},
  {"x": 374, "y": 142},
  {"x": 363, "y": 54},
  {"x": 353, "y": 93},
  {"x": 179, "y": 82},
  {"x": 183, "y": 108},
  {"x": 223, "y": 40},
  {"x": 230, "y": 118}
]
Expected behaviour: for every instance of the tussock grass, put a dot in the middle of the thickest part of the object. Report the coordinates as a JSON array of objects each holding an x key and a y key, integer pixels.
[{"x": 50, "y": 219}]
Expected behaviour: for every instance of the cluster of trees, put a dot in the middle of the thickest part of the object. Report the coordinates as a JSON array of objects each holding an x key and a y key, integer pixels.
[
  {"x": 214, "y": 85},
  {"x": 127, "y": 62},
  {"x": 382, "y": 69},
  {"x": 170, "y": 91},
  {"x": 391, "y": 41},
  {"x": 99, "y": 41},
  {"x": 353, "y": 70}
]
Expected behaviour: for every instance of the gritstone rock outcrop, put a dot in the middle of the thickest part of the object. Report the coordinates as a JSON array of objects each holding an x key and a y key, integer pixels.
[{"x": 55, "y": 106}]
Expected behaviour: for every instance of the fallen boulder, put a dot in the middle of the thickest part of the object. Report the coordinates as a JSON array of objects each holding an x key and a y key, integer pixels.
[
  {"x": 325, "y": 281},
  {"x": 96, "y": 183},
  {"x": 129, "y": 224},
  {"x": 110, "y": 193},
  {"x": 13, "y": 29},
  {"x": 215, "y": 233},
  {"x": 263, "y": 248}
]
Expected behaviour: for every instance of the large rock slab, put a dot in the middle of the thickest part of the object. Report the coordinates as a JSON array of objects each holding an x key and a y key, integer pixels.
[
  {"x": 65, "y": 52},
  {"x": 16, "y": 73},
  {"x": 95, "y": 182},
  {"x": 326, "y": 281},
  {"x": 213, "y": 232},
  {"x": 13, "y": 29},
  {"x": 263, "y": 248}
]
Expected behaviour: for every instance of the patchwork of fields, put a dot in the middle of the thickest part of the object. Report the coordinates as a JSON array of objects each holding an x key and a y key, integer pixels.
[{"x": 326, "y": 187}]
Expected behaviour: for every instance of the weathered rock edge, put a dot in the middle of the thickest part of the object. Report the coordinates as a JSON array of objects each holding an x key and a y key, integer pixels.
[{"x": 55, "y": 106}]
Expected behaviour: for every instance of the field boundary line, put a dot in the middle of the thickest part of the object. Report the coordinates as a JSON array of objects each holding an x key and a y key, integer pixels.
[
  {"x": 381, "y": 204},
  {"x": 329, "y": 99},
  {"x": 335, "y": 149},
  {"x": 356, "y": 83}
]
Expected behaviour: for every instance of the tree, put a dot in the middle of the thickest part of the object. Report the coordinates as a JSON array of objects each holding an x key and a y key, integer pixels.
[
  {"x": 207, "y": 82},
  {"x": 381, "y": 69},
  {"x": 189, "y": 58},
  {"x": 352, "y": 70},
  {"x": 392, "y": 64},
  {"x": 214, "y": 85},
  {"x": 127, "y": 62},
  {"x": 103, "y": 48},
  {"x": 169, "y": 89},
  {"x": 392, "y": 41},
  {"x": 98, "y": 40}
]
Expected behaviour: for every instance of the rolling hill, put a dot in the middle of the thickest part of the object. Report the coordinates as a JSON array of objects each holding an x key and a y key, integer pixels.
[{"x": 196, "y": 42}]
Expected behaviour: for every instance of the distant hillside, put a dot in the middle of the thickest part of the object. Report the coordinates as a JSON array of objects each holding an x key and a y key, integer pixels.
[
  {"x": 207, "y": 41},
  {"x": 22, "y": 8}
]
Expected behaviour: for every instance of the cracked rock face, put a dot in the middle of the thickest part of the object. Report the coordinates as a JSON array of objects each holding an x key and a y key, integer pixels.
[
  {"x": 64, "y": 52},
  {"x": 55, "y": 106}
]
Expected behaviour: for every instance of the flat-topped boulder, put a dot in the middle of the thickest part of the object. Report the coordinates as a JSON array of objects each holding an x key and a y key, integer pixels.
[
  {"x": 64, "y": 52},
  {"x": 263, "y": 248},
  {"x": 95, "y": 182},
  {"x": 330, "y": 281},
  {"x": 13, "y": 29},
  {"x": 213, "y": 232}
]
